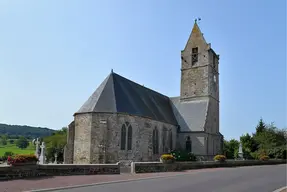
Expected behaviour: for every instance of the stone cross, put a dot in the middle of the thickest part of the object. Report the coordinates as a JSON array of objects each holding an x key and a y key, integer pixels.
[
  {"x": 42, "y": 158},
  {"x": 55, "y": 162},
  {"x": 240, "y": 152},
  {"x": 37, "y": 148}
]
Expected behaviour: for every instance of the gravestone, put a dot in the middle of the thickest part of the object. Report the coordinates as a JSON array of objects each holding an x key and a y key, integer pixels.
[
  {"x": 55, "y": 162},
  {"x": 37, "y": 147},
  {"x": 42, "y": 158}
]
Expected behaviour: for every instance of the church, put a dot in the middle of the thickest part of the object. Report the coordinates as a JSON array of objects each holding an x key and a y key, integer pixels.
[{"x": 123, "y": 120}]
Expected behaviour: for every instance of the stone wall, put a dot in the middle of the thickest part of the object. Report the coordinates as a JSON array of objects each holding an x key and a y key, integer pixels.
[
  {"x": 198, "y": 143},
  {"x": 20, "y": 172},
  {"x": 98, "y": 138},
  {"x": 142, "y": 129},
  {"x": 149, "y": 167},
  {"x": 69, "y": 148},
  {"x": 194, "y": 77},
  {"x": 212, "y": 128},
  {"x": 82, "y": 141}
]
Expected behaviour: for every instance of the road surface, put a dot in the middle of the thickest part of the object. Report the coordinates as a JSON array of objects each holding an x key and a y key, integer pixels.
[{"x": 242, "y": 179}]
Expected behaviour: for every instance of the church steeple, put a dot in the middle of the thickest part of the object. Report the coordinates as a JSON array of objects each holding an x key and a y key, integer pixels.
[
  {"x": 195, "y": 38},
  {"x": 199, "y": 68}
]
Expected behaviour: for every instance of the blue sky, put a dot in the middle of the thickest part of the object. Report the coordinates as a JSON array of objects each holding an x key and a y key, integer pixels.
[{"x": 54, "y": 54}]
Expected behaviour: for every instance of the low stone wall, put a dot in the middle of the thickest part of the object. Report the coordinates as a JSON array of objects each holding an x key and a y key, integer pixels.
[
  {"x": 149, "y": 167},
  {"x": 20, "y": 172}
]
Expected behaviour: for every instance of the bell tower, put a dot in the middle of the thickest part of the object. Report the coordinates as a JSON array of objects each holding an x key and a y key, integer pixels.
[{"x": 199, "y": 69}]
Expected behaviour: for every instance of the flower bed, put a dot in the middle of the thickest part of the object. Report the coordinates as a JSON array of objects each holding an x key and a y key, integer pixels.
[
  {"x": 22, "y": 160},
  {"x": 167, "y": 158},
  {"x": 220, "y": 158}
]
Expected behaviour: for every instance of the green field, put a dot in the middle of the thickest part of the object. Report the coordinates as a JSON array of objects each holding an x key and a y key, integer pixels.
[{"x": 13, "y": 148}]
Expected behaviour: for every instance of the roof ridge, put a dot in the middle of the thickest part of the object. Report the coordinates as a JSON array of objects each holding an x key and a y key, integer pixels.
[
  {"x": 149, "y": 89},
  {"x": 113, "y": 87},
  {"x": 103, "y": 87}
]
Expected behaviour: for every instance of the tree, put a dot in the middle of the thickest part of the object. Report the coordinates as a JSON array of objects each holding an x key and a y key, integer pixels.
[
  {"x": 271, "y": 140},
  {"x": 3, "y": 139},
  {"x": 261, "y": 127},
  {"x": 248, "y": 143},
  {"x": 22, "y": 142},
  {"x": 56, "y": 143},
  {"x": 230, "y": 147},
  {"x": 11, "y": 141}
]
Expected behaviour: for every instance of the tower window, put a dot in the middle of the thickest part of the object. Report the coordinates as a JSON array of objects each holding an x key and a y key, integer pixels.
[{"x": 194, "y": 55}]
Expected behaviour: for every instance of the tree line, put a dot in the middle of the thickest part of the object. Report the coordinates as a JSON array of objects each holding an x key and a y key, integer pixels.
[
  {"x": 266, "y": 140},
  {"x": 29, "y": 132}
]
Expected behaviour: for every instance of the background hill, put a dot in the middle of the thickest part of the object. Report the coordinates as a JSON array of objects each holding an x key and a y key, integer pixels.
[{"x": 14, "y": 131}]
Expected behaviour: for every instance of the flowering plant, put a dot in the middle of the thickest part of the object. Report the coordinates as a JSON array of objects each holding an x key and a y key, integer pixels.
[
  {"x": 21, "y": 159},
  {"x": 167, "y": 157},
  {"x": 220, "y": 158}
]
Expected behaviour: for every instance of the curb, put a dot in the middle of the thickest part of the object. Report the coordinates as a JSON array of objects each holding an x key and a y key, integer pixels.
[
  {"x": 108, "y": 182},
  {"x": 280, "y": 189}
]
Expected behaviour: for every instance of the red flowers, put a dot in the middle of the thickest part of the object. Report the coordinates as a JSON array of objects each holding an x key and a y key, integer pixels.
[{"x": 21, "y": 159}]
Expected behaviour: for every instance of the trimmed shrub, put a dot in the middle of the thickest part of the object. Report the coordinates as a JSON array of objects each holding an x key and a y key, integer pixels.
[
  {"x": 167, "y": 157},
  {"x": 183, "y": 156},
  {"x": 220, "y": 158}
]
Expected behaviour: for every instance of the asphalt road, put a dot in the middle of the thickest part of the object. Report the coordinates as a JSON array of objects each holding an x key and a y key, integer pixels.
[{"x": 253, "y": 179}]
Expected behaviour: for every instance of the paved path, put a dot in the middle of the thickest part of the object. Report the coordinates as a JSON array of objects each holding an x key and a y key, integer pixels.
[
  {"x": 244, "y": 179},
  {"x": 258, "y": 178}
]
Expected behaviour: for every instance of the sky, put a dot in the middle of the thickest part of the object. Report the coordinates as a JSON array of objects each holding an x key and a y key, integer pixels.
[{"x": 54, "y": 54}]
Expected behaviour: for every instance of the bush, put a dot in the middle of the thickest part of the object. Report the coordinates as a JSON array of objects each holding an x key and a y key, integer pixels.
[
  {"x": 220, "y": 158},
  {"x": 183, "y": 156},
  {"x": 21, "y": 159},
  {"x": 264, "y": 158},
  {"x": 277, "y": 152},
  {"x": 7, "y": 154},
  {"x": 167, "y": 157}
]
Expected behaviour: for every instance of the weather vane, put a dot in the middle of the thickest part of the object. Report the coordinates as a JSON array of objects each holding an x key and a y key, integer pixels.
[{"x": 197, "y": 19}]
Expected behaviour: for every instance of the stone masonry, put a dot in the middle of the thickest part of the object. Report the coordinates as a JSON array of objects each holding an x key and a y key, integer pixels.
[
  {"x": 96, "y": 134},
  {"x": 105, "y": 129}
]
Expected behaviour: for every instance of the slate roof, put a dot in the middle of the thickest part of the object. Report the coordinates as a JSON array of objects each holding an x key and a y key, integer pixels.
[
  {"x": 190, "y": 115},
  {"x": 120, "y": 95}
]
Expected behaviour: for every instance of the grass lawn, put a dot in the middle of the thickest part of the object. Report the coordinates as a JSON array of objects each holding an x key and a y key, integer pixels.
[{"x": 13, "y": 148}]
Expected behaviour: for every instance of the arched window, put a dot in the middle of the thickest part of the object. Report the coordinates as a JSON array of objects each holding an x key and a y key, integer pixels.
[
  {"x": 188, "y": 144},
  {"x": 170, "y": 140},
  {"x": 164, "y": 131},
  {"x": 123, "y": 137},
  {"x": 130, "y": 136},
  {"x": 155, "y": 141}
]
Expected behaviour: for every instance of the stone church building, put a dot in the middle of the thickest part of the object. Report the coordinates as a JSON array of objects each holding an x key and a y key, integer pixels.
[{"x": 123, "y": 120}]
